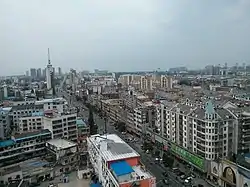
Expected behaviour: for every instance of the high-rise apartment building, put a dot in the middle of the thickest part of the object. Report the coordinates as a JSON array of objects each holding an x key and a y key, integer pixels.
[
  {"x": 146, "y": 83},
  {"x": 59, "y": 71},
  {"x": 166, "y": 82},
  {"x": 39, "y": 73},
  {"x": 33, "y": 73},
  {"x": 204, "y": 132}
]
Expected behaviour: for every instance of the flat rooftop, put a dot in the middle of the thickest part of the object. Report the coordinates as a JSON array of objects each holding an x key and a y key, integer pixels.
[
  {"x": 61, "y": 143},
  {"x": 81, "y": 123},
  {"x": 116, "y": 149}
]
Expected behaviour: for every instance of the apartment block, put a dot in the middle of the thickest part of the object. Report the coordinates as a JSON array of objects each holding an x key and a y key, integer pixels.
[
  {"x": 5, "y": 122},
  {"x": 64, "y": 154},
  {"x": 23, "y": 147},
  {"x": 146, "y": 83},
  {"x": 61, "y": 125},
  {"x": 113, "y": 108},
  {"x": 24, "y": 110},
  {"x": 82, "y": 134},
  {"x": 31, "y": 123},
  {"x": 204, "y": 133}
]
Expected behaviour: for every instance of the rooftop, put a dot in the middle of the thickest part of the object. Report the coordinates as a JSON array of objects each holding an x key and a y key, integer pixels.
[
  {"x": 5, "y": 110},
  {"x": 61, "y": 143},
  {"x": 116, "y": 148},
  {"x": 27, "y": 106},
  {"x": 56, "y": 100},
  {"x": 11, "y": 169},
  {"x": 23, "y": 136},
  {"x": 37, "y": 114},
  {"x": 81, "y": 123},
  {"x": 121, "y": 168}
]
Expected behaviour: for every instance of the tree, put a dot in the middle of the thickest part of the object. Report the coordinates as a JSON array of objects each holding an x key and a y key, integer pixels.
[
  {"x": 92, "y": 126},
  {"x": 147, "y": 146},
  {"x": 168, "y": 160},
  {"x": 121, "y": 126}
]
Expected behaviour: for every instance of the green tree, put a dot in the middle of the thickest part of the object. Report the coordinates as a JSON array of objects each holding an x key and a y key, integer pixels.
[
  {"x": 147, "y": 146},
  {"x": 168, "y": 160},
  {"x": 92, "y": 126},
  {"x": 121, "y": 126}
]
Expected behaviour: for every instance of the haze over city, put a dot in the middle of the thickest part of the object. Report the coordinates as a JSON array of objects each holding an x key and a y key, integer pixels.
[{"x": 123, "y": 35}]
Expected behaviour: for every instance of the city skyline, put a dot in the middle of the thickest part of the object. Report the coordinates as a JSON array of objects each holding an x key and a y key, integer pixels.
[{"x": 124, "y": 36}]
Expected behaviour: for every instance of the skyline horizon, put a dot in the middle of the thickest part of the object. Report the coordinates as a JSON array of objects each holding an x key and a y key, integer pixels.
[{"x": 123, "y": 36}]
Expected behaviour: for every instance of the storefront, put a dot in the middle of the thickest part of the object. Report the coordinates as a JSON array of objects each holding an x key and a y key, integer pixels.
[{"x": 194, "y": 160}]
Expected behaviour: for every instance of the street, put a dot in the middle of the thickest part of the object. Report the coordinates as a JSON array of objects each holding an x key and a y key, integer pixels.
[{"x": 157, "y": 169}]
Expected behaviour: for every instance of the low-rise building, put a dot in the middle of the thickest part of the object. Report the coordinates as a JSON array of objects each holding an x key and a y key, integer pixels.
[
  {"x": 65, "y": 156},
  {"x": 82, "y": 134},
  {"x": 31, "y": 123},
  {"x": 116, "y": 163},
  {"x": 112, "y": 108},
  {"x": 227, "y": 173},
  {"x": 24, "y": 110},
  {"x": 23, "y": 147},
  {"x": 61, "y": 125},
  {"x": 4, "y": 122}
]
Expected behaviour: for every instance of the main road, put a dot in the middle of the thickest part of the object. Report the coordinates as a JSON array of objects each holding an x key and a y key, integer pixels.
[{"x": 155, "y": 168}]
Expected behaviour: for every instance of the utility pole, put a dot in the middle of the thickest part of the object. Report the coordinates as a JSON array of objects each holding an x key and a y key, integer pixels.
[{"x": 105, "y": 123}]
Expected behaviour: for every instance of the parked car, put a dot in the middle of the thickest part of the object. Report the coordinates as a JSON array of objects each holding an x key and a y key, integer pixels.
[
  {"x": 165, "y": 181},
  {"x": 165, "y": 174},
  {"x": 193, "y": 175},
  {"x": 183, "y": 176}
]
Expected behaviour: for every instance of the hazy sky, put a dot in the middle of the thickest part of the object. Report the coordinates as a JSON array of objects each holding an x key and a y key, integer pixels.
[{"x": 123, "y": 35}]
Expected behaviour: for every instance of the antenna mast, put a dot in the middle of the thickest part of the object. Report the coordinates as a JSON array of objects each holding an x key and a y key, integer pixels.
[{"x": 48, "y": 57}]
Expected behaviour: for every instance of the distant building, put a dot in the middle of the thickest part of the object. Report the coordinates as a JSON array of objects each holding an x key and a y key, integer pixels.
[
  {"x": 39, "y": 73},
  {"x": 59, "y": 71},
  {"x": 44, "y": 72},
  {"x": 27, "y": 73},
  {"x": 33, "y": 73}
]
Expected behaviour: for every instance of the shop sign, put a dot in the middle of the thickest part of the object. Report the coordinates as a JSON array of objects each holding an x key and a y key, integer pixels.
[{"x": 194, "y": 160}]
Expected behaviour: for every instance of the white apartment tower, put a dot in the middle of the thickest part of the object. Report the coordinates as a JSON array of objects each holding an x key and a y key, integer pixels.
[{"x": 146, "y": 83}]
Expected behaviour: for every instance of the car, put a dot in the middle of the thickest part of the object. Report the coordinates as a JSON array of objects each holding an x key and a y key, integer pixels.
[
  {"x": 193, "y": 175},
  {"x": 165, "y": 181},
  {"x": 180, "y": 173},
  {"x": 165, "y": 174},
  {"x": 183, "y": 176},
  {"x": 123, "y": 133},
  {"x": 175, "y": 170}
]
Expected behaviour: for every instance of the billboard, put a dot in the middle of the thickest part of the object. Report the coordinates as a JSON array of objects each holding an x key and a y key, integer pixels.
[{"x": 193, "y": 159}]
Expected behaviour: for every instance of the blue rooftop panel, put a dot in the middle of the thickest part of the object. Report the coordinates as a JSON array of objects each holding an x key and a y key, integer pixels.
[
  {"x": 121, "y": 168},
  {"x": 6, "y": 143},
  {"x": 95, "y": 185},
  {"x": 38, "y": 114},
  {"x": 247, "y": 155},
  {"x": 80, "y": 123}
]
